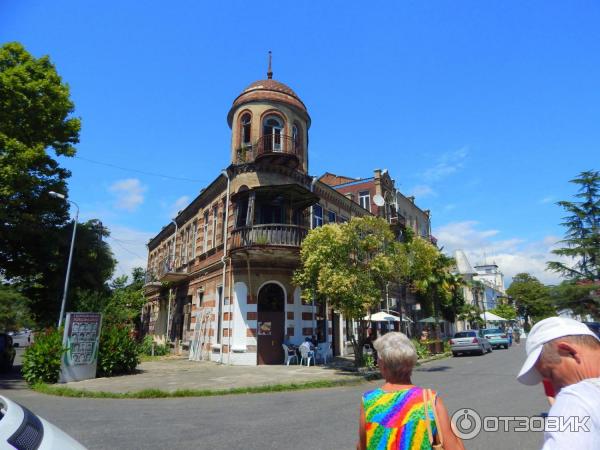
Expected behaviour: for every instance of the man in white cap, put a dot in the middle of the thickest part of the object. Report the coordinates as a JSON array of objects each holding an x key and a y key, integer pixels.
[{"x": 567, "y": 353}]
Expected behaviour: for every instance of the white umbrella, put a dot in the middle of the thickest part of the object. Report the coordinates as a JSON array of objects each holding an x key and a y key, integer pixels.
[
  {"x": 382, "y": 316},
  {"x": 491, "y": 317}
]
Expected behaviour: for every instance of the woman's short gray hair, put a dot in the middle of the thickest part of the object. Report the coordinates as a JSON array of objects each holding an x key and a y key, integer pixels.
[{"x": 397, "y": 353}]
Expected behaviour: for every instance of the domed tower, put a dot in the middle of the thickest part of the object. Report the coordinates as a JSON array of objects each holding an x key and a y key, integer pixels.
[{"x": 270, "y": 123}]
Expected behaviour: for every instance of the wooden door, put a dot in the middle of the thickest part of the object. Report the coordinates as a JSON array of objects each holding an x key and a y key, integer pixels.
[{"x": 271, "y": 323}]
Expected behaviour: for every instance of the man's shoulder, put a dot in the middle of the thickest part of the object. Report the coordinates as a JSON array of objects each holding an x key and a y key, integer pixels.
[{"x": 579, "y": 397}]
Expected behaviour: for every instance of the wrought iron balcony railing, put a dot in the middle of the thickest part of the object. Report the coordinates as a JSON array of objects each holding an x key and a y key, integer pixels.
[
  {"x": 269, "y": 144},
  {"x": 268, "y": 235}
]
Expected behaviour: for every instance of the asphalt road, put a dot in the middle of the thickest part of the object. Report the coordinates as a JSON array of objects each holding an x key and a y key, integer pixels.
[{"x": 313, "y": 419}]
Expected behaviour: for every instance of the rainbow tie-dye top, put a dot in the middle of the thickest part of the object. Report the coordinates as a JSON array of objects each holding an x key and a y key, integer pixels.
[{"x": 396, "y": 420}]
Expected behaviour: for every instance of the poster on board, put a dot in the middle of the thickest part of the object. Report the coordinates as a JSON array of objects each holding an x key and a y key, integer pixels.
[{"x": 81, "y": 339}]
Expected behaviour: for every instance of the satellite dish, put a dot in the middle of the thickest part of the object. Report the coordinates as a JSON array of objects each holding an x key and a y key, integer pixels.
[{"x": 378, "y": 200}]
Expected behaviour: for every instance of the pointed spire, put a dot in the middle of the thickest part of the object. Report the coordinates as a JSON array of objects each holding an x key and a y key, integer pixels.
[{"x": 269, "y": 71}]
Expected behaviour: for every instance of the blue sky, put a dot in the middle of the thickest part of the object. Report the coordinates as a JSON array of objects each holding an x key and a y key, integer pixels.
[{"x": 483, "y": 110}]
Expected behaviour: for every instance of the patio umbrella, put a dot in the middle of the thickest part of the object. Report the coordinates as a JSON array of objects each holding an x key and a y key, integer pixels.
[
  {"x": 382, "y": 316},
  {"x": 491, "y": 317},
  {"x": 431, "y": 320}
]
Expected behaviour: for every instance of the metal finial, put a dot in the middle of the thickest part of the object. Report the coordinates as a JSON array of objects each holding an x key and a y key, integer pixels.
[{"x": 269, "y": 71}]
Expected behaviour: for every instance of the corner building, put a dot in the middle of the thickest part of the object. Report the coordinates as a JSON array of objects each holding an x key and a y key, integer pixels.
[{"x": 219, "y": 276}]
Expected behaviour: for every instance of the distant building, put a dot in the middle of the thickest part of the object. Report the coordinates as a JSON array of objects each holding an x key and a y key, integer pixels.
[{"x": 484, "y": 285}]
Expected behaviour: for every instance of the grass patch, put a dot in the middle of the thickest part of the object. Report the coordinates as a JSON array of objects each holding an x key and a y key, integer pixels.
[{"x": 63, "y": 391}]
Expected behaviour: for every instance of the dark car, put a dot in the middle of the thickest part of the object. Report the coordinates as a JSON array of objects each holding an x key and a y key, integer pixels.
[
  {"x": 594, "y": 326},
  {"x": 7, "y": 352}
]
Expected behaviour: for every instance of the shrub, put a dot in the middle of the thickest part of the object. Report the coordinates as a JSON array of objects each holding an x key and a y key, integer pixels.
[
  {"x": 41, "y": 361},
  {"x": 421, "y": 348},
  {"x": 119, "y": 352},
  {"x": 146, "y": 347}
]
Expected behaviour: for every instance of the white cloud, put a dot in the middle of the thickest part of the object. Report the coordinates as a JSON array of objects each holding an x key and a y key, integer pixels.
[
  {"x": 513, "y": 255},
  {"x": 547, "y": 199},
  {"x": 129, "y": 193},
  {"x": 447, "y": 164},
  {"x": 178, "y": 205},
  {"x": 129, "y": 248},
  {"x": 423, "y": 190}
]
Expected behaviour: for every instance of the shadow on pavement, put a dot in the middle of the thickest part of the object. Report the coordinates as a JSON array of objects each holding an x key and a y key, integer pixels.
[
  {"x": 13, "y": 379},
  {"x": 432, "y": 369}
]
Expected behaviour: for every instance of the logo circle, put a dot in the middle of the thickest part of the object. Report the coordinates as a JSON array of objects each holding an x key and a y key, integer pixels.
[{"x": 466, "y": 423}]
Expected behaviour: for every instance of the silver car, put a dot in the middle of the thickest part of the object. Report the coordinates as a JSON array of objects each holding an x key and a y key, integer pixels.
[{"x": 469, "y": 341}]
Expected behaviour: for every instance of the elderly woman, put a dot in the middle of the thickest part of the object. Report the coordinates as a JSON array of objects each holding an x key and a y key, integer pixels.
[{"x": 396, "y": 416}]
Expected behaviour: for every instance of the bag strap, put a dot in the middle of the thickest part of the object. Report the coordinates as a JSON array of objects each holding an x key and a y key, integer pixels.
[
  {"x": 427, "y": 395},
  {"x": 427, "y": 421},
  {"x": 437, "y": 420}
]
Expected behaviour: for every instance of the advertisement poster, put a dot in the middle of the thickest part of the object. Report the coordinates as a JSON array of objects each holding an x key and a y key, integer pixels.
[
  {"x": 264, "y": 328},
  {"x": 81, "y": 338}
]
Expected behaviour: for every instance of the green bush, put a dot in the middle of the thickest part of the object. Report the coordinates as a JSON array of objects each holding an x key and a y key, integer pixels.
[
  {"x": 41, "y": 361},
  {"x": 421, "y": 348},
  {"x": 146, "y": 347},
  {"x": 119, "y": 352}
]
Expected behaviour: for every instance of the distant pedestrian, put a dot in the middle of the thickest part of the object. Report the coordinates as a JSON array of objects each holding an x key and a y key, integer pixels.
[
  {"x": 509, "y": 332},
  {"x": 567, "y": 354},
  {"x": 399, "y": 414}
]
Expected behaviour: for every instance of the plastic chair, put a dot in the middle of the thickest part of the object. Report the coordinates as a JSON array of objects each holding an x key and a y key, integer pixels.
[
  {"x": 306, "y": 354},
  {"x": 289, "y": 355},
  {"x": 323, "y": 351},
  {"x": 367, "y": 350}
]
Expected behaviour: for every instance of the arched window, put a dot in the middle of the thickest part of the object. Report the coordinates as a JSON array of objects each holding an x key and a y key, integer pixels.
[
  {"x": 246, "y": 124},
  {"x": 272, "y": 127},
  {"x": 297, "y": 137}
]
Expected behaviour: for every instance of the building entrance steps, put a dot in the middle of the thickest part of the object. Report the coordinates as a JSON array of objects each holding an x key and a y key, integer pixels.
[{"x": 173, "y": 373}]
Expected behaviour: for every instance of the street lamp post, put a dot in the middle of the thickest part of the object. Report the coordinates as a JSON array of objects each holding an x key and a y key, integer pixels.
[{"x": 66, "y": 289}]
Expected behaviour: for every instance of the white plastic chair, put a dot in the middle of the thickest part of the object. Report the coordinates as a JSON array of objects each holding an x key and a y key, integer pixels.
[
  {"x": 367, "y": 350},
  {"x": 323, "y": 351},
  {"x": 306, "y": 354},
  {"x": 289, "y": 355}
]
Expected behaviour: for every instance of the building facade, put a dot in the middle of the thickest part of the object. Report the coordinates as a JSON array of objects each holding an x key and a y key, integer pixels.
[{"x": 219, "y": 275}]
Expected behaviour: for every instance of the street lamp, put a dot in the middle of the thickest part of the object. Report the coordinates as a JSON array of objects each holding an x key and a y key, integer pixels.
[{"x": 66, "y": 289}]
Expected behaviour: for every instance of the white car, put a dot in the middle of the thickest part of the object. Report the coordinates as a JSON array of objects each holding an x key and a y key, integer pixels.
[
  {"x": 23, "y": 430},
  {"x": 21, "y": 338},
  {"x": 469, "y": 341}
]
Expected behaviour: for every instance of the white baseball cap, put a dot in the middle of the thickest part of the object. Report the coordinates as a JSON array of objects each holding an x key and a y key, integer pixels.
[{"x": 545, "y": 331}]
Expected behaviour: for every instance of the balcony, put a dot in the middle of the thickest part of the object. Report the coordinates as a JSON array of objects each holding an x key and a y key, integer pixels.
[
  {"x": 167, "y": 271},
  {"x": 266, "y": 235},
  {"x": 272, "y": 148}
]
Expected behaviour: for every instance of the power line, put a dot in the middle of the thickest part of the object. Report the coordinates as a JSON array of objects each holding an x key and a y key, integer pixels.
[
  {"x": 126, "y": 249},
  {"x": 143, "y": 172}
]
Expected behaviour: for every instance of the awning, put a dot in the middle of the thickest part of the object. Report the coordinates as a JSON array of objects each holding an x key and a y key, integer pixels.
[
  {"x": 491, "y": 317},
  {"x": 383, "y": 316}
]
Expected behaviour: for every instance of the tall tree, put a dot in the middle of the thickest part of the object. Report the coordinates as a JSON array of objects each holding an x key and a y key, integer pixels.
[
  {"x": 348, "y": 265},
  {"x": 582, "y": 238},
  {"x": 14, "y": 313},
  {"x": 35, "y": 119},
  {"x": 531, "y": 297},
  {"x": 580, "y": 291},
  {"x": 93, "y": 266}
]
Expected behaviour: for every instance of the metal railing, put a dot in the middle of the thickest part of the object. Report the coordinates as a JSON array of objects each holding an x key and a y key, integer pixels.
[
  {"x": 268, "y": 144},
  {"x": 269, "y": 234}
]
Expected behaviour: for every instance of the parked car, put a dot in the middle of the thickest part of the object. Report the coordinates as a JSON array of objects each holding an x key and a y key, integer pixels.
[
  {"x": 470, "y": 341},
  {"x": 7, "y": 352},
  {"x": 497, "y": 337},
  {"x": 21, "y": 338},
  {"x": 22, "y": 429},
  {"x": 594, "y": 326}
]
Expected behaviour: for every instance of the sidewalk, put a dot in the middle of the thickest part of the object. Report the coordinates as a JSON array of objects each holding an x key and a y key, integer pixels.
[{"x": 175, "y": 373}]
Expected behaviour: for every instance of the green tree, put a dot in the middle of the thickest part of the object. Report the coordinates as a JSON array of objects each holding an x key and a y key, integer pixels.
[
  {"x": 582, "y": 238},
  {"x": 35, "y": 118},
  {"x": 531, "y": 297},
  {"x": 348, "y": 265},
  {"x": 580, "y": 291},
  {"x": 125, "y": 304},
  {"x": 505, "y": 311},
  {"x": 93, "y": 265},
  {"x": 14, "y": 313},
  {"x": 472, "y": 315}
]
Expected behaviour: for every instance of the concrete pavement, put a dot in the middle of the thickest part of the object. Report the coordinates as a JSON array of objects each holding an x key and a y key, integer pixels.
[{"x": 170, "y": 374}]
